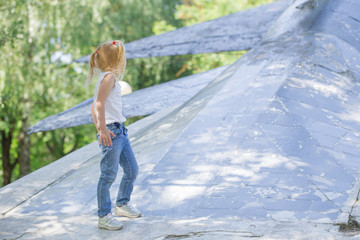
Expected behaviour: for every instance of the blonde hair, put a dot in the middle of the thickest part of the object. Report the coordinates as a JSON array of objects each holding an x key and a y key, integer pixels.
[{"x": 109, "y": 56}]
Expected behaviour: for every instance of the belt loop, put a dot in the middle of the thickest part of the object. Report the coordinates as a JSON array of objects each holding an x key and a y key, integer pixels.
[{"x": 125, "y": 129}]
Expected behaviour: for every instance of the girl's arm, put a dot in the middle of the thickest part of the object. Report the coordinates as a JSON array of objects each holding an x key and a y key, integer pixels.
[
  {"x": 104, "y": 91},
  {"x": 94, "y": 117}
]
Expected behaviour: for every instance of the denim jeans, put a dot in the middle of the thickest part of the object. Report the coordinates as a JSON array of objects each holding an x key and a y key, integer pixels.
[{"x": 120, "y": 153}]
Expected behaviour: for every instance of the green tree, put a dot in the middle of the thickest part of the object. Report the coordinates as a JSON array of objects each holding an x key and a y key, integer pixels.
[{"x": 31, "y": 82}]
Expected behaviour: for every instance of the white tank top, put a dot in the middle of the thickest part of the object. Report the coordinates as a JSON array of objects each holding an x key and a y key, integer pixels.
[{"x": 113, "y": 104}]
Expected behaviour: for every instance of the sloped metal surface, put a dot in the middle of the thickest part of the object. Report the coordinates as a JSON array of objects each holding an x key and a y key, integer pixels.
[
  {"x": 274, "y": 137},
  {"x": 139, "y": 103},
  {"x": 238, "y": 31}
]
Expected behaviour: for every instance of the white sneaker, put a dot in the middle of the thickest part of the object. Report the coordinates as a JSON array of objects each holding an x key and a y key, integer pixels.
[
  {"x": 127, "y": 211},
  {"x": 110, "y": 223}
]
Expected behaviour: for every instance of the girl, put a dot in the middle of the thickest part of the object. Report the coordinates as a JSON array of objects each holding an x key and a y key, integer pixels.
[{"x": 109, "y": 59}]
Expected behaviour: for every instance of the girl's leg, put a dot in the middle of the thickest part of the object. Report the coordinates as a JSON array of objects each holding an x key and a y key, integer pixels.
[
  {"x": 109, "y": 168},
  {"x": 130, "y": 167}
]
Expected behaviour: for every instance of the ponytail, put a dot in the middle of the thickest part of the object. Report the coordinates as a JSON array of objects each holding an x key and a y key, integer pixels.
[
  {"x": 92, "y": 66},
  {"x": 121, "y": 60}
]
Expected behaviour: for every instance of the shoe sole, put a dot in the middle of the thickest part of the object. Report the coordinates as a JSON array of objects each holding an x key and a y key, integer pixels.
[
  {"x": 111, "y": 229},
  {"x": 128, "y": 216}
]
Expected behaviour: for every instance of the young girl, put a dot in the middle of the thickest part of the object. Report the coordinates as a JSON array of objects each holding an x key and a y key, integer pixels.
[{"x": 109, "y": 59}]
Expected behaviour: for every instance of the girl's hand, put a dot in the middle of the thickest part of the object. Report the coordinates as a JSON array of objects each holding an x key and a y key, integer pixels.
[{"x": 105, "y": 138}]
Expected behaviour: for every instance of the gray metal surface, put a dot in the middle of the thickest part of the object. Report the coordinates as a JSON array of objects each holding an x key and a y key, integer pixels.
[
  {"x": 271, "y": 142},
  {"x": 139, "y": 103},
  {"x": 274, "y": 136},
  {"x": 238, "y": 31}
]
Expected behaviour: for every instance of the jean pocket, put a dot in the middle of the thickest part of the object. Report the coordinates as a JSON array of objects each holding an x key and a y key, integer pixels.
[{"x": 117, "y": 132}]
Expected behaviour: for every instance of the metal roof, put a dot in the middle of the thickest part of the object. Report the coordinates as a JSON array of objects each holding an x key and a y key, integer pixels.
[{"x": 269, "y": 148}]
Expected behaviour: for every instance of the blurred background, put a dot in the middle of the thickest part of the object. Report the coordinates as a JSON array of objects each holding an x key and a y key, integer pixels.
[{"x": 39, "y": 40}]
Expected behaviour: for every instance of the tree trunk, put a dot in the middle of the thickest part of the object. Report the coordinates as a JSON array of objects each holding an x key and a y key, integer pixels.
[
  {"x": 24, "y": 148},
  {"x": 5, "y": 155},
  {"x": 24, "y": 138},
  {"x": 8, "y": 167}
]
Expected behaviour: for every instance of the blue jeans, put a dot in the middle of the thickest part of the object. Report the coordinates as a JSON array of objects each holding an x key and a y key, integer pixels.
[{"x": 120, "y": 153}]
